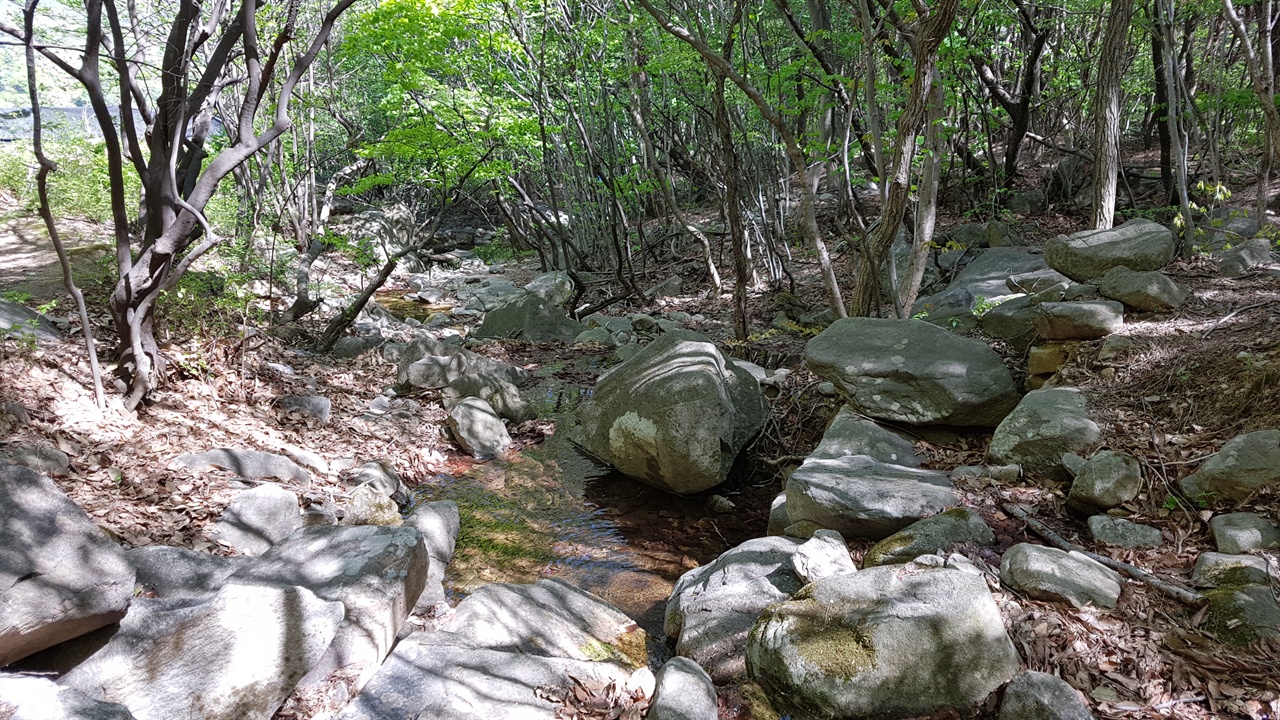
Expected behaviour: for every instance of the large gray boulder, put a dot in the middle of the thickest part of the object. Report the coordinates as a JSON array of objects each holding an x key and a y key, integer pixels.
[
  {"x": 713, "y": 607},
  {"x": 257, "y": 519},
  {"x": 501, "y": 395},
  {"x": 248, "y": 464},
  {"x": 556, "y": 287},
  {"x": 674, "y": 416},
  {"x": 913, "y": 372},
  {"x": 438, "y": 523},
  {"x": 1044, "y": 426},
  {"x": 1012, "y": 321},
  {"x": 375, "y": 572},
  {"x": 953, "y": 527},
  {"x": 884, "y": 643},
  {"x": 60, "y": 576},
  {"x": 1243, "y": 257},
  {"x": 440, "y": 676},
  {"x": 236, "y": 656},
  {"x": 1045, "y": 573},
  {"x": 550, "y": 618},
  {"x": 528, "y": 317},
  {"x": 987, "y": 275},
  {"x": 1039, "y": 696},
  {"x": 1243, "y": 614},
  {"x": 1081, "y": 320},
  {"x": 852, "y": 434},
  {"x": 1138, "y": 245},
  {"x": 858, "y": 496},
  {"x": 26, "y": 697},
  {"x": 1247, "y": 463}
]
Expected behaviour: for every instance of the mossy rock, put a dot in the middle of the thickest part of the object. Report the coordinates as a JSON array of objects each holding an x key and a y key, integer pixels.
[
  {"x": 1242, "y": 615},
  {"x": 952, "y": 527}
]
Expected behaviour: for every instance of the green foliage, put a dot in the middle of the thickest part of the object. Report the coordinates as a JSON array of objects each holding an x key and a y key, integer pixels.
[{"x": 79, "y": 188}]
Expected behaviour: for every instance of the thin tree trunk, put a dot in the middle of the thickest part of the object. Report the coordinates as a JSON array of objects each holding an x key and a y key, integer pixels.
[{"x": 1106, "y": 114}]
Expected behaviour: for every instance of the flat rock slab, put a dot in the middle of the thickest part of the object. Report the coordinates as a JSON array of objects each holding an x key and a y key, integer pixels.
[
  {"x": 174, "y": 572},
  {"x": 1243, "y": 614},
  {"x": 1123, "y": 533},
  {"x": 60, "y": 576},
  {"x": 1047, "y": 573},
  {"x": 884, "y": 643},
  {"x": 1214, "y": 569},
  {"x": 1044, "y": 426},
  {"x": 42, "y": 457},
  {"x": 858, "y": 496},
  {"x": 236, "y": 656},
  {"x": 528, "y": 317},
  {"x": 549, "y": 618},
  {"x": 953, "y": 527},
  {"x": 467, "y": 362},
  {"x": 913, "y": 372},
  {"x": 24, "y": 697},
  {"x": 376, "y": 572},
  {"x": 437, "y": 676},
  {"x": 17, "y": 320},
  {"x": 1146, "y": 291},
  {"x": 852, "y": 434},
  {"x": 1138, "y": 245},
  {"x": 713, "y": 607},
  {"x": 257, "y": 519},
  {"x": 248, "y": 464}
]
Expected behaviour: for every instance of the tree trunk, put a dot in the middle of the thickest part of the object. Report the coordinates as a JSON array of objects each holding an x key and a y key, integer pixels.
[
  {"x": 1161, "y": 104},
  {"x": 1106, "y": 114}
]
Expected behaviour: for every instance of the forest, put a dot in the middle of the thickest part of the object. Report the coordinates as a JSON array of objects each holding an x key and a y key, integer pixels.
[{"x": 741, "y": 359}]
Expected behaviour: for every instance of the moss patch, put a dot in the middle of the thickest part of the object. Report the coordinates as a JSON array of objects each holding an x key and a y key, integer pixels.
[
  {"x": 834, "y": 645},
  {"x": 887, "y": 547},
  {"x": 1226, "y": 619}
]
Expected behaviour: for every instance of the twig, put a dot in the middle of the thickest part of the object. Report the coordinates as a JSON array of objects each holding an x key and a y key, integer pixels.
[
  {"x": 1230, "y": 315},
  {"x": 1181, "y": 594}
]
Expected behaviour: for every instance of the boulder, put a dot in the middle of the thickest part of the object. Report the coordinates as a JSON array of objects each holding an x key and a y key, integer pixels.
[
  {"x": 823, "y": 555},
  {"x": 596, "y": 335},
  {"x": 987, "y": 276},
  {"x": 912, "y": 372},
  {"x": 382, "y": 475},
  {"x": 550, "y": 618},
  {"x": 350, "y": 347},
  {"x": 236, "y": 656},
  {"x": 778, "y": 517},
  {"x": 883, "y": 643},
  {"x": 1123, "y": 533},
  {"x": 852, "y": 434},
  {"x": 18, "y": 321},
  {"x": 60, "y": 576},
  {"x": 26, "y": 697},
  {"x": 528, "y": 317},
  {"x": 1035, "y": 281},
  {"x": 1048, "y": 358},
  {"x": 1081, "y": 320},
  {"x": 257, "y": 519},
  {"x": 502, "y": 396},
  {"x": 1012, "y": 321},
  {"x": 1046, "y": 424},
  {"x": 1138, "y": 244},
  {"x": 858, "y": 496},
  {"x": 928, "y": 536},
  {"x": 1045, "y": 573},
  {"x": 1220, "y": 569},
  {"x": 1240, "y": 532},
  {"x": 478, "y": 429},
  {"x": 1039, "y": 696},
  {"x": 1243, "y": 257},
  {"x": 435, "y": 371},
  {"x": 438, "y": 523},
  {"x": 439, "y": 676},
  {"x": 674, "y": 416},
  {"x": 248, "y": 464},
  {"x": 1230, "y": 225},
  {"x": 174, "y": 572},
  {"x": 683, "y": 691},
  {"x": 1027, "y": 202},
  {"x": 376, "y": 572},
  {"x": 1107, "y": 480},
  {"x": 1243, "y": 614},
  {"x": 466, "y": 362},
  {"x": 713, "y": 607},
  {"x": 555, "y": 287},
  {"x": 1246, "y": 463},
  {"x": 41, "y": 457},
  {"x": 314, "y": 406},
  {"x": 1145, "y": 291}
]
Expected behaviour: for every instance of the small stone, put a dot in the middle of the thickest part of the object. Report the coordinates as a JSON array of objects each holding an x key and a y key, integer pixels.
[
  {"x": 683, "y": 691},
  {"x": 1123, "y": 533},
  {"x": 1050, "y": 574},
  {"x": 257, "y": 519},
  {"x": 720, "y": 504},
  {"x": 314, "y": 406},
  {"x": 1236, "y": 533},
  {"x": 478, "y": 429},
  {"x": 42, "y": 458},
  {"x": 1048, "y": 358},
  {"x": 1113, "y": 347},
  {"x": 931, "y": 535},
  {"x": 368, "y": 505},
  {"x": 1241, "y": 615},
  {"x": 1107, "y": 373}
]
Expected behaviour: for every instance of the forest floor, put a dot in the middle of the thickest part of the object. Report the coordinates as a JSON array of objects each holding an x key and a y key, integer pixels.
[{"x": 1193, "y": 379}]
